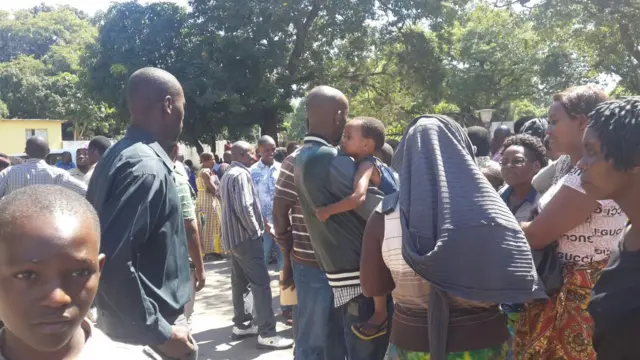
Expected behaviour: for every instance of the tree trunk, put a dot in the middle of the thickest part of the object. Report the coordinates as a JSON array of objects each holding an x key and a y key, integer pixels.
[
  {"x": 270, "y": 125},
  {"x": 199, "y": 148}
]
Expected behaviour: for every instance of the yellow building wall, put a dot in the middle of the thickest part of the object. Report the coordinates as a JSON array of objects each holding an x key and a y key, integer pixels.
[{"x": 13, "y": 134}]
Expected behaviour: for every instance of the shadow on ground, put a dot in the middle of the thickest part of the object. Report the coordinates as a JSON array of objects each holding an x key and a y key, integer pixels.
[
  {"x": 213, "y": 313},
  {"x": 232, "y": 350}
]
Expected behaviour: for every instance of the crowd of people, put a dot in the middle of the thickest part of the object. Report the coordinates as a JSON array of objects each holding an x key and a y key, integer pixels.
[{"x": 452, "y": 243}]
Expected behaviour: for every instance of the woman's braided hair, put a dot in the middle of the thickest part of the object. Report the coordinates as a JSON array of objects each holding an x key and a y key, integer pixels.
[{"x": 617, "y": 125}]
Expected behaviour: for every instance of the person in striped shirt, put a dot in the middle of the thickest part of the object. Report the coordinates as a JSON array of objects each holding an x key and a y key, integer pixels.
[
  {"x": 35, "y": 171},
  {"x": 242, "y": 229}
]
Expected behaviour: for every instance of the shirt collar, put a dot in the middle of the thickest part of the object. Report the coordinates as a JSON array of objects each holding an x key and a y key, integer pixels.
[
  {"x": 530, "y": 198},
  {"x": 34, "y": 161},
  {"x": 240, "y": 165},
  {"x": 317, "y": 139},
  {"x": 137, "y": 133},
  {"x": 262, "y": 165},
  {"x": 163, "y": 155}
]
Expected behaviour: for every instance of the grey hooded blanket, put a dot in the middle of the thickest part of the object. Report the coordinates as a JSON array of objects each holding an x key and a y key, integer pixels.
[{"x": 457, "y": 232}]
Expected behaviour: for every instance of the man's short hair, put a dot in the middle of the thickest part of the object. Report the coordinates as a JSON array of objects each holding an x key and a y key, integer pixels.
[
  {"x": 481, "y": 139},
  {"x": 266, "y": 140},
  {"x": 39, "y": 201},
  {"x": 373, "y": 129},
  {"x": 291, "y": 146},
  {"x": 536, "y": 127},
  {"x": 37, "y": 147},
  {"x": 518, "y": 124},
  {"x": 100, "y": 144},
  {"x": 205, "y": 156},
  {"x": 15, "y": 160},
  {"x": 280, "y": 154}
]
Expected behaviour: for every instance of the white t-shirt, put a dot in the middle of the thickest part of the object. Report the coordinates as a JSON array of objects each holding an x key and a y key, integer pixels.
[
  {"x": 592, "y": 240},
  {"x": 100, "y": 347}
]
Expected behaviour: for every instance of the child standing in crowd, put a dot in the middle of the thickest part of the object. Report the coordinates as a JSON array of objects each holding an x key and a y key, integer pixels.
[
  {"x": 49, "y": 273},
  {"x": 362, "y": 138}
]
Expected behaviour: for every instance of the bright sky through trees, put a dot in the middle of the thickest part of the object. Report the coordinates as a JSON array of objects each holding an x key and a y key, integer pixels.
[{"x": 88, "y": 6}]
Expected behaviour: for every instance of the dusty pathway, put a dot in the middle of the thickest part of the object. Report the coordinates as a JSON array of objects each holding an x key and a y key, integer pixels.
[{"x": 212, "y": 321}]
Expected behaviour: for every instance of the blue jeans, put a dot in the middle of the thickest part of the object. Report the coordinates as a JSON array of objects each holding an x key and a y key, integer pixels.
[
  {"x": 267, "y": 244},
  {"x": 317, "y": 323},
  {"x": 359, "y": 310}
]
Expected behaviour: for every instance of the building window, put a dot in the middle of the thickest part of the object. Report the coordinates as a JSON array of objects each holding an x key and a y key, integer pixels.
[{"x": 37, "y": 132}]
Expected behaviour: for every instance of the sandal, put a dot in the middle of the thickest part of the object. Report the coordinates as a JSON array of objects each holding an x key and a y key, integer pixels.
[{"x": 367, "y": 331}]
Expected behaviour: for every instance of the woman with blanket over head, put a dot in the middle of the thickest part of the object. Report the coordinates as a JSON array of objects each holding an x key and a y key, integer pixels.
[
  {"x": 448, "y": 249},
  {"x": 586, "y": 230}
]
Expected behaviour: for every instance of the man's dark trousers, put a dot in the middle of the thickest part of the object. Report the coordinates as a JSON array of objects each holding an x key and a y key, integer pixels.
[{"x": 248, "y": 268}]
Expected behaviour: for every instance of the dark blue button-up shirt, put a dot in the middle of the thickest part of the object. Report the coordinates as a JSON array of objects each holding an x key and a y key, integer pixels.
[{"x": 145, "y": 281}]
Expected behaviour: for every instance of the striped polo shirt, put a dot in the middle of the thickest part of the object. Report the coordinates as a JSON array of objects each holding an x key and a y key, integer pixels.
[{"x": 291, "y": 231}]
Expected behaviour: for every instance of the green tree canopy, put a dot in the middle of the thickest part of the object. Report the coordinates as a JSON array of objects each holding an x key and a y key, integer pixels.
[
  {"x": 243, "y": 64},
  {"x": 133, "y": 36},
  {"x": 41, "y": 70},
  {"x": 602, "y": 36}
]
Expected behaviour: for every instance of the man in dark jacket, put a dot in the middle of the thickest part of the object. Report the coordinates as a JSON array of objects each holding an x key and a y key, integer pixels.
[
  {"x": 322, "y": 177},
  {"x": 145, "y": 286}
]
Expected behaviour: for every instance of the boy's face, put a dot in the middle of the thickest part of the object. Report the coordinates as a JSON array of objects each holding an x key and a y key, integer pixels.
[
  {"x": 49, "y": 273},
  {"x": 266, "y": 152},
  {"x": 353, "y": 143}
]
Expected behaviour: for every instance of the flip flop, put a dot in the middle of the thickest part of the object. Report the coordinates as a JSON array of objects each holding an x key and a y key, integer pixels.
[{"x": 367, "y": 331}]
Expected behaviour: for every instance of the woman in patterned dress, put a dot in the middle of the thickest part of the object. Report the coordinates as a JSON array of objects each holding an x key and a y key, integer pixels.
[
  {"x": 585, "y": 228},
  {"x": 208, "y": 207}
]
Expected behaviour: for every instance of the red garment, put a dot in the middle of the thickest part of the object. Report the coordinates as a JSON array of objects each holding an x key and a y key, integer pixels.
[{"x": 560, "y": 328}]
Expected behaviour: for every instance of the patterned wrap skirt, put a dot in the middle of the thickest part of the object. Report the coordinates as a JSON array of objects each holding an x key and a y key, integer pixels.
[
  {"x": 208, "y": 211},
  {"x": 561, "y": 327},
  {"x": 497, "y": 353}
]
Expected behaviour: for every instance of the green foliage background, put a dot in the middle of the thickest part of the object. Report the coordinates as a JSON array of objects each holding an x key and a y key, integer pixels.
[{"x": 248, "y": 64}]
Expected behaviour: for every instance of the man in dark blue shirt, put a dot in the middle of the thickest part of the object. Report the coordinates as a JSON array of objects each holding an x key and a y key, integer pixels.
[{"x": 146, "y": 284}]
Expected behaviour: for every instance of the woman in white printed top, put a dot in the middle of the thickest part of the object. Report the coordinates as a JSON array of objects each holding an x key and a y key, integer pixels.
[{"x": 586, "y": 230}]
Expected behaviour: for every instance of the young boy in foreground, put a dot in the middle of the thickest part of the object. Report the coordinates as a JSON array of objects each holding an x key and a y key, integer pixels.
[{"x": 49, "y": 274}]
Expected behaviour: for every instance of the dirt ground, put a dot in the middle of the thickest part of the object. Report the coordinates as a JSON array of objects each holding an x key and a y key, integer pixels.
[{"x": 212, "y": 319}]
